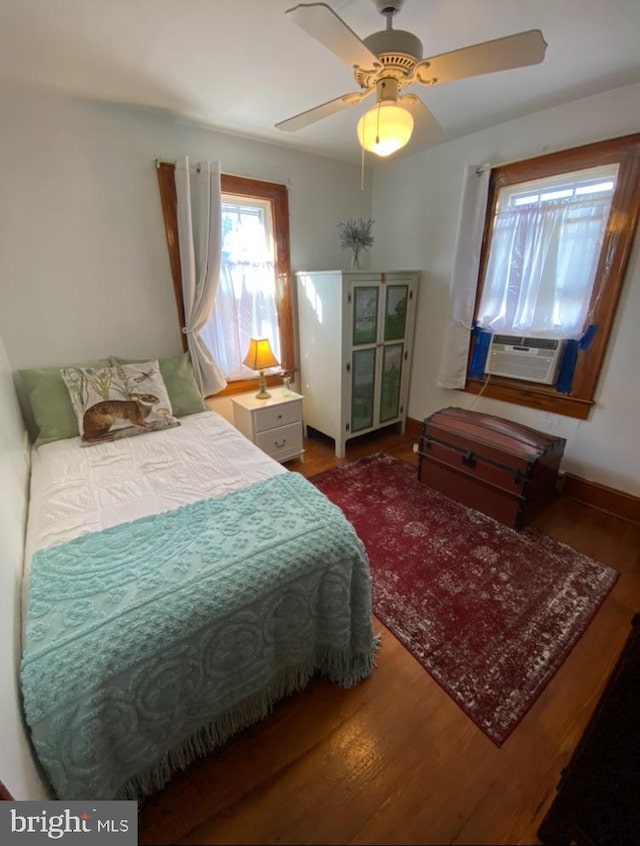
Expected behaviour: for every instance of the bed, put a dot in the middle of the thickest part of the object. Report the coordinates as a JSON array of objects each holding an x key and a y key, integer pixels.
[{"x": 177, "y": 585}]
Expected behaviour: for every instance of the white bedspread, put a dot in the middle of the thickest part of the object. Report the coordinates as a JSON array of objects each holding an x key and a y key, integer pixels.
[{"x": 77, "y": 489}]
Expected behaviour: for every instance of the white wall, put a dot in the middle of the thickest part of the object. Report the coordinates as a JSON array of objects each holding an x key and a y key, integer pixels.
[
  {"x": 17, "y": 769},
  {"x": 415, "y": 207},
  {"x": 84, "y": 270}
]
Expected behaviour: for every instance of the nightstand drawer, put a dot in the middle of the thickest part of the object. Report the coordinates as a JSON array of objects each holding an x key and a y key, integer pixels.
[
  {"x": 273, "y": 424},
  {"x": 274, "y": 416},
  {"x": 281, "y": 442}
]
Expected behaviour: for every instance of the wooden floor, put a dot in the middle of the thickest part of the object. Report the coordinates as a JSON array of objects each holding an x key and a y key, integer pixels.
[{"x": 395, "y": 760}]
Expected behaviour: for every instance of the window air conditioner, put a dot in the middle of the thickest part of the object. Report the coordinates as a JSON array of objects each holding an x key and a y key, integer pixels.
[{"x": 531, "y": 359}]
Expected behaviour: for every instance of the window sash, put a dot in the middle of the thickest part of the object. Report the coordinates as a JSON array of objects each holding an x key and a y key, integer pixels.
[
  {"x": 245, "y": 304},
  {"x": 576, "y": 182},
  {"x": 542, "y": 265}
]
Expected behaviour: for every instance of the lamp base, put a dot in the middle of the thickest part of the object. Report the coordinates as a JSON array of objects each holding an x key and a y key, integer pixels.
[{"x": 263, "y": 393}]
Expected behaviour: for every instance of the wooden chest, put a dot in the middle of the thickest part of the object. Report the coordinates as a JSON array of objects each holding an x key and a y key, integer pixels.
[{"x": 503, "y": 469}]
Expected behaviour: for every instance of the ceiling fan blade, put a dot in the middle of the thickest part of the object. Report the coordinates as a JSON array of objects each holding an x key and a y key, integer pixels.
[
  {"x": 296, "y": 122},
  {"x": 512, "y": 51},
  {"x": 426, "y": 129},
  {"x": 322, "y": 23}
]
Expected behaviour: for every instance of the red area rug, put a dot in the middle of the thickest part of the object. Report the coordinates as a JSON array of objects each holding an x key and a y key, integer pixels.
[{"x": 490, "y": 613}]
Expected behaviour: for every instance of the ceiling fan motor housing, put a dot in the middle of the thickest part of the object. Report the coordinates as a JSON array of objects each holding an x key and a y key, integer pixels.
[
  {"x": 398, "y": 53},
  {"x": 395, "y": 41}
]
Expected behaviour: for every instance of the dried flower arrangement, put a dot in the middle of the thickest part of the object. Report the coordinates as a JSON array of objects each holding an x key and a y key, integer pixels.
[{"x": 356, "y": 235}]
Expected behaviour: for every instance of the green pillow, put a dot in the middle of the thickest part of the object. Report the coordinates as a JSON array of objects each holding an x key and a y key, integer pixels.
[
  {"x": 50, "y": 403},
  {"x": 181, "y": 384}
]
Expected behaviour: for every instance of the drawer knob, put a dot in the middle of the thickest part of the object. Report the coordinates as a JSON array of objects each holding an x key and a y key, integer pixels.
[
  {"x": 279, "y": 416},
  {"x": 280, "y": 444}
]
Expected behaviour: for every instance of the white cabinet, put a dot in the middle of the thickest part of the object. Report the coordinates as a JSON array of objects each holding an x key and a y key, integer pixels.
[
  {"x": 356, "y": 339},
  {"x": 273, "y": 424}
]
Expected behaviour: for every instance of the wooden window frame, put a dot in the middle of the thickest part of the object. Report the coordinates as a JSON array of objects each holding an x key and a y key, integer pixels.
[
  {"x": 278, "y": 198},
  {"x": 610, "y": 274}
]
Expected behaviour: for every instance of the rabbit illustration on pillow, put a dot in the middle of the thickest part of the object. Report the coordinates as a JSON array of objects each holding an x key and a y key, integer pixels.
[{"x": 99, "y": 418}]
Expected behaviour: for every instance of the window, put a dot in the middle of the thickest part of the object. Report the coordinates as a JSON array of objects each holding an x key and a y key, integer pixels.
[
  {"x": 245, "y": 304},
  {"x": 254, "y": 295},
  {"x": 546, "y": 242},
  {"x": 557, "y": 239}
]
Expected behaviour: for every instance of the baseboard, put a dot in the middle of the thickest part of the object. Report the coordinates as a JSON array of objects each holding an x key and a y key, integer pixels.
[{"x": 615, "y": 502}]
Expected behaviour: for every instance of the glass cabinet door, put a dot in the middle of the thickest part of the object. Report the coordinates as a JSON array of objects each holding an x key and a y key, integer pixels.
[
  {"x": 395, "y": 312},
  {"x": 365, "y": 315},
  {"x": 392, "y": 360},
  {"x": 363, "y": 370}
]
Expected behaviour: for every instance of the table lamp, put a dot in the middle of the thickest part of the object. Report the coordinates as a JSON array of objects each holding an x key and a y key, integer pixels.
[{"x": 259, "y": 357}]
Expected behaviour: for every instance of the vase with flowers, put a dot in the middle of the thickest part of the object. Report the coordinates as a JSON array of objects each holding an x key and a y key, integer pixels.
[{"x": 356, "y": 235}]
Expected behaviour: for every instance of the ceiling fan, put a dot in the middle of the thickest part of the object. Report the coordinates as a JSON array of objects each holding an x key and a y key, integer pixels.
[{"x": 388, "y": 61}]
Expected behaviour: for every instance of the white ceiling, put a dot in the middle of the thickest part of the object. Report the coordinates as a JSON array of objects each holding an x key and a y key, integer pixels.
[{"x": 241, "y": 65}]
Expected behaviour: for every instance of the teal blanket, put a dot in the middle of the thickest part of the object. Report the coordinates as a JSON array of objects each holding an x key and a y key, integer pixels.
[{"x": 154, "y": 641}]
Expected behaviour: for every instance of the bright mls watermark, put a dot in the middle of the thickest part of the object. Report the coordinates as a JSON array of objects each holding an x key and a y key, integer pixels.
[{"x": 81, "y": 822}]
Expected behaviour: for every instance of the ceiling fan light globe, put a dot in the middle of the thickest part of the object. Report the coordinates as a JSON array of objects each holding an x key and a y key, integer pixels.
[{"x": 385, "y": 129}]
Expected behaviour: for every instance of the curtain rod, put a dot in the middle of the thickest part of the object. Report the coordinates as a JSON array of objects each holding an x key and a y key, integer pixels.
[
  {"x": 159, "y": 162},
  {"x": 544, "y": 151},
  {"x": 479, "y": 169},
  {"x": 196, "y": 168}
]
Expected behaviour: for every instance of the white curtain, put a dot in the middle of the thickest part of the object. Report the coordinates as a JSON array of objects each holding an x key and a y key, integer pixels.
[
  {"x": 464, "y": 277},
  {"x": 542, "y": 266},
  {"x": 245, "y": 307},
  {"x": 199, "y": 232}
]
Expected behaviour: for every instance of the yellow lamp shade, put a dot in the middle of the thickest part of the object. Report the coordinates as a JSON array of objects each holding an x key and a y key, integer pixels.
[
  {"x": 259, "y": 356},
  {"x": 385, "y": 129}
]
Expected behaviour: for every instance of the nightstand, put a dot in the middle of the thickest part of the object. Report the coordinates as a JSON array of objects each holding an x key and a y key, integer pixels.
[{"x": 273, "y": 424}]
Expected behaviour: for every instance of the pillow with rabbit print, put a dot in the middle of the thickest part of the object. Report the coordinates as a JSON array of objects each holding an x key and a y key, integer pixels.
[{"x": 118, "y": 402}]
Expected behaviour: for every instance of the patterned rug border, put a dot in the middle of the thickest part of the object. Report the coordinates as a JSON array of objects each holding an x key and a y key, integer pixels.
[{"x": 497, "y": 738}]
